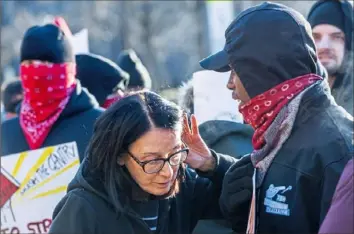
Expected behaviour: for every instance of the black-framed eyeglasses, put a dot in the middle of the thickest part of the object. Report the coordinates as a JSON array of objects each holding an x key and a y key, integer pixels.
[{"x": 155, "y": 165}]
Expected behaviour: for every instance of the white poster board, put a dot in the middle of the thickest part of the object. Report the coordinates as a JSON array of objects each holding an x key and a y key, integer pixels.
[
  {"x": 80, "y": 42},
  {"x": 32, "y": 183},
  {"x": 212, "y": 100}
]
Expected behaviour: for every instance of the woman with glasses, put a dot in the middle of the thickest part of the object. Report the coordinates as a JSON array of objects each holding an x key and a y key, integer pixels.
[{"x": 139, "y": 176}]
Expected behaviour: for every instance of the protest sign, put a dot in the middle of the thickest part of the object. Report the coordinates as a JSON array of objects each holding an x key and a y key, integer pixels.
[
  {"x": 212, "y": 100},
  {"x": 219, "y": 15},
  {"x": 32, "y": 183},
  {"x": 80, "y": 42}
]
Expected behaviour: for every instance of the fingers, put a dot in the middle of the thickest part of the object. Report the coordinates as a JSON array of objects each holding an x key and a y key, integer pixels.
[
  {"x": 194, "y": 123},
  {"x": 233, "y": 203},
  {"x": 186, "y": 129},
  {"x": 240, "y": 198},
  {"x": 238, "y": 174}
]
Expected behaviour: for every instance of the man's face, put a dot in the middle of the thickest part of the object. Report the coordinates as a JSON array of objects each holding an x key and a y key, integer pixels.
[
  {"x": 330, "y": 43},
  {"x": 239, "y": 92}
]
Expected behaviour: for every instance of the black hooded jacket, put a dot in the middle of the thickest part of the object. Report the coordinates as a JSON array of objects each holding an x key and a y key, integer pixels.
[
  {"x": 270, "y": 44},
  {"x": 88, "y": 209},
  {"x": 74, "y": 124},
  {"x": 342, "y": 89}
]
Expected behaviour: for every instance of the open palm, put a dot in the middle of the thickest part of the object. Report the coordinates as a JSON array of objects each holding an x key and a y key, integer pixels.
[{"x": 199, "y": 152}]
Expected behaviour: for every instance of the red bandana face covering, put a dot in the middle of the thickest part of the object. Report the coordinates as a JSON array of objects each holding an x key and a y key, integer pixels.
[
  {"x": 47, "y": 89},
  {"x": 261, "y": 110}
]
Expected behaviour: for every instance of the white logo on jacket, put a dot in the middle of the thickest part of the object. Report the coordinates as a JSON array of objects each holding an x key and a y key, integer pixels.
[{"x": 275, "y": 201}]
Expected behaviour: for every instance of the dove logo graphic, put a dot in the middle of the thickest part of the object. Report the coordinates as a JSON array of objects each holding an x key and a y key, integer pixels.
[{"x": 275, "y": 201}]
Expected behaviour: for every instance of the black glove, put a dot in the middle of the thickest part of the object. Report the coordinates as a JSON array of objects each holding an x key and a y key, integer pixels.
[{"x": 236, "y": 194}]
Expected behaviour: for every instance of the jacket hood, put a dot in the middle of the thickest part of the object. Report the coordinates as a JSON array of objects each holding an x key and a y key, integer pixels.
[
  {"x": 269, "y": 44},
  {"x": 92, "y": 184},
  {"x": 81, "y": 100},
  {"x": 100, "y": 75},
  {"x": 213, "y": 130}
]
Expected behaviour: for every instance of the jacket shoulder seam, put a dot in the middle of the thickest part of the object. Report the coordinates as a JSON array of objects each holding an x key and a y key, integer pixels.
[{"x": 337, "y": 130}]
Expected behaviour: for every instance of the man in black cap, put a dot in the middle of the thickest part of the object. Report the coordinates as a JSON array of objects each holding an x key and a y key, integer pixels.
[
  {"x": 55, "y": 108},
  {"x": 102, "y": 77},
  {"x": 302, "y": 138},
  {"x": 139, "y": 79},
  {"x": 332, "y": 26}
]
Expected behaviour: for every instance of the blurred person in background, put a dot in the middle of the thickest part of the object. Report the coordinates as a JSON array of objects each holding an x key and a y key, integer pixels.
[
  {"x": 302, "y": 139},
  {"x": 102, "y": 77},
  {"x": 55, "y": 108},
  {"x": 139, "y": 77},
  {"x": 332, "y": 29},
  {"x": 339, "y": 218},
  {"x": 135, "y": 179},
  {"x": 226, "y": 137},
  {"x": 11, "y": 96}
]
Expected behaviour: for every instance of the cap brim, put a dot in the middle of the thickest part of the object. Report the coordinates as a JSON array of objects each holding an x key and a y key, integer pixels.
[{"x": 218, "y": 62}]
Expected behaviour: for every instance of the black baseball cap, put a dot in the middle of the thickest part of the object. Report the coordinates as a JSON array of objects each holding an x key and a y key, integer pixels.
[{"x": 218, "y": 62}]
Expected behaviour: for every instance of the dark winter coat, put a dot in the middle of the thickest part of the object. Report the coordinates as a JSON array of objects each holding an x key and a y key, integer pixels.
[
  {"x": 88, "y": 209},
  {"x": 309, "y": 165},
  {"x": 297, "y": 189}
]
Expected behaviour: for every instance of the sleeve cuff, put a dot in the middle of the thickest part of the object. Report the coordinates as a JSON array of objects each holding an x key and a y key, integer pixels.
[{"x": 222, "y": 164}]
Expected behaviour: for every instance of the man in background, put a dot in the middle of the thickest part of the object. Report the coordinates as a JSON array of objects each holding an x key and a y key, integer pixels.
[
  {"x": 139, "y": 79},
  {"x": 332, "y": 26},
  {"x": 11, "y": 97},
  {"x": 102, "y": 78}
]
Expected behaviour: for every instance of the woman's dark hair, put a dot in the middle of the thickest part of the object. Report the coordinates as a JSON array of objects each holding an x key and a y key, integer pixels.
[{"x": 121, "y": 125}]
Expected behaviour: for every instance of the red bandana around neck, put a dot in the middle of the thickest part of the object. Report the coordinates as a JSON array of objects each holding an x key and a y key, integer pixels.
[
  {"x": 111, "y": 99},
  {"x": 261, "y": 110},
  {"x": 47, "y": 89}
]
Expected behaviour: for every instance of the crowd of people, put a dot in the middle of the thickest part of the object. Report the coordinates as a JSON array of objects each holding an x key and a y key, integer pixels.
[{"x": 147, "y": 166}]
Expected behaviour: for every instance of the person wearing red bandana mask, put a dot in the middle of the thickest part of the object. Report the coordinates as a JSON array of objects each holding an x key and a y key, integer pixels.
[
  {"x": 104, "y": 79},
  {"x": 302, "y": 139},
  {"x": 55, "y": 108}
]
